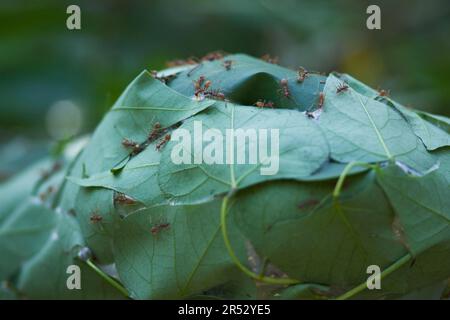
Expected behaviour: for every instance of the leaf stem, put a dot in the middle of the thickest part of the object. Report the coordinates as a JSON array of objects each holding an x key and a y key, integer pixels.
[
  {"x": 361, "y": 287},
  {"x": 107, "y": 278},
  {"x": 260, "y": 277},
  {"x": 340, "y": 182}
]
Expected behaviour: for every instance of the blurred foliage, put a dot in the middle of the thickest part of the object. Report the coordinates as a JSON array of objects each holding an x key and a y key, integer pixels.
[{"x": 42, "y": 62}]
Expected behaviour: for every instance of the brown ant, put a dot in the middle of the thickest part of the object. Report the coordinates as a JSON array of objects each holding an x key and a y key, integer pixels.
[
  {"x": 201, "y": 87},
  {"x": 158, "y": 227},
  {"x": 155, "y": 131},
  {"x": 384, "y": 93},
  {"x": 341, "y": 87},
  {"x": 47, "y": 193},
  {"x": 199, "y": 82},
  {"x": 123, "y": 199},
  {"x": 263, "y": 104},
  {"x": 302, "y": 73},
  {"x": 227, "y": 64},
  {"x": 95, "y": 217},
  {"x": 198, "y": 86},
  {"x": 215, "y": 55},
  {"x": 162, "y": 142},
  {"x": 45, "y": 174},
  {"x": 269, "y": 59},
  {"x": 284, "y": 87},
  {"x": 215, "y": 94},
  {"x": 136, "y": 147},
  {"x": 181, "y": 62},
  {"x": 321, "y": 100},
  {"x": 206, "y": 85}
]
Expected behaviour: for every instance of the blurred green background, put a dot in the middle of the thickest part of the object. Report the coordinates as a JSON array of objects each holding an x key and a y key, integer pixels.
[{"x": 52, "y": 78}]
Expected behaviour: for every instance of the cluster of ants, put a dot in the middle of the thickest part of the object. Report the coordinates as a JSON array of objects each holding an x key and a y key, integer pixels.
[
  {"x": 211, "y": 56},
  {"x": 302, "y": 74},
  {"x": 156, "y": 132},
  {"x": 268, "y": 58},
  {"x": 202, "y": 89}
]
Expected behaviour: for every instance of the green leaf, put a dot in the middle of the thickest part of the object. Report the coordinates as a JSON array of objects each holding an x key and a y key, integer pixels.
[
  {"x": 430, "y": 267},
  {"x": 421, "y": 204},
  {"x": 23, "y": 234},
  {"x": 357, "y": 85},
  {"x": 183, "y": 259},
  {"x": 97, "y": 235},
  {"x": 433, "y": 133},
  {"x": 44, "y": 276},
  {"x": 432, "y": 136},
  {"x": 19, "y": 187},
  {"x": 362, "y": 129},
  {"x": 441, "y": 122},
  {"x": 137, "y": 179},
  {"x": 302, "y": 151},
  {"x": 302, "y": 231}
]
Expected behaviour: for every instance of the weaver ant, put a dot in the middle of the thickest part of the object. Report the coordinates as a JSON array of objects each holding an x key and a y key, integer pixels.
[
  {"x": 155, "y": 131},
  {"x": 123, "y": 199},
  {"x": 181, "y": 62},
  {"x": 384, "y": 93},
  {"x": 158, "y": 227},
  {"x": 45, "y": 174},
  {"x": 211, "y": 56},
  {"x": 95, "y": 217},
  {"x": 199, "y": 82},
  {"x": 206, "y": 85},
  {"x": 136, "y": 147},
  {"x": 44, "y": 195},
  {"x": 269, "y": 59},
  {"x": 198, "y": 85},
  {"x": 162, "y": 142},
  {"x": 215, "y": 94},
  {"x": 284, "y": 87},
  {"x": 321, "y": 100},
  {"x": 341, "y": 87},
  {"x": 302, "y": 73},
  {"x": 263, "y": 104}
]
